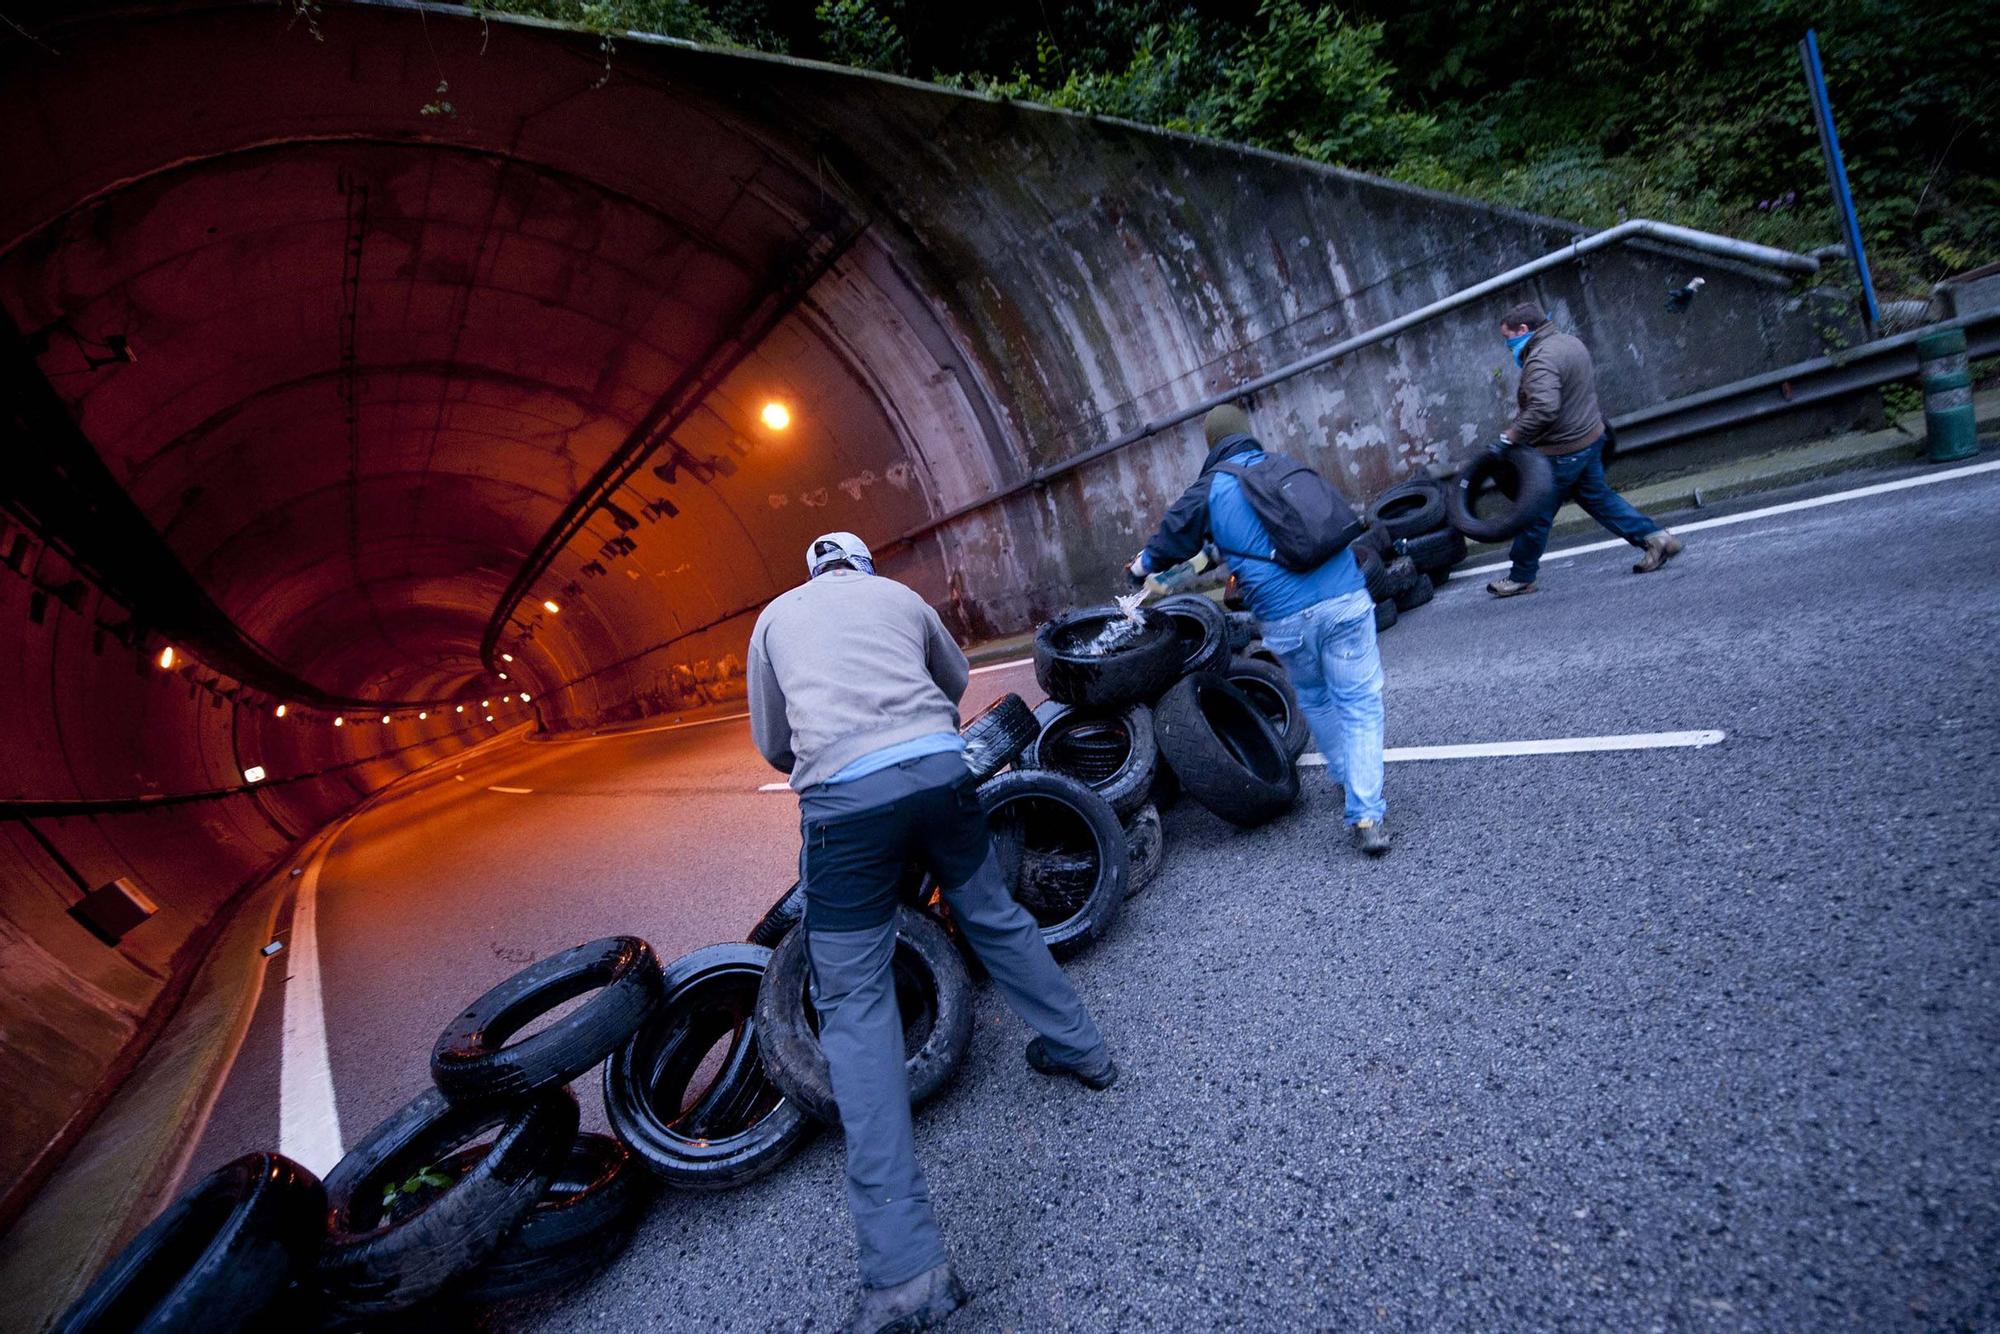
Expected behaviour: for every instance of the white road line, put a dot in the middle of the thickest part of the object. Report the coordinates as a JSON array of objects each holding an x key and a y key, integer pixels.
[
  {"x": 308, "y": 1120},
  {"x": 1563, "y": 745},
  {"x": 1789, "y": 507},
  {"x": 775, "y": 787},
  {"x": 1000, "y": 666},
  {"x": 520, "y": 790}
]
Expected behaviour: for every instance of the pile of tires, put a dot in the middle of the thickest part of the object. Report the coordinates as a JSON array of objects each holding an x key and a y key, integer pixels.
[
  {"x": 481, "y": 1188},
  {"x": 1409, "y": 549}
]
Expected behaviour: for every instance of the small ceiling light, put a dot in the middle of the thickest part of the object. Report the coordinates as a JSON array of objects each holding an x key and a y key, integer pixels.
[
  {"x": 167, "y": 657},
  {"x": 506, "y": 657},
  {"x": 385, "y": 717},
  {"x": 485, "y": 703},
  {"x": 423, "y": 714},
  {"x": 340, "y": 722},
  {"x": 524, "y": 697},
  {"x": 489, "y": 717},
  {"x": 503, "y": 676},
  {"x": 279, "y": 711},
  {"x": 550, "y": 603},
  {"x": 776, "y": 415},
  {"x": 461, "y": 708},
  {"x": 254, "y": 774},
  {"x": 506, "y": 699}
]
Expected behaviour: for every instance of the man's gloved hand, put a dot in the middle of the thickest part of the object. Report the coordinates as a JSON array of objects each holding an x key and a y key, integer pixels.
[
  {"x": 1499, "y": 446},
  {"x": 1135, "y": 573}
]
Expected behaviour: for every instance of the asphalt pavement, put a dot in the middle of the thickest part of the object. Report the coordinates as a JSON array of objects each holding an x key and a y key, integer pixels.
[{"x": 1673, "y": 1039}]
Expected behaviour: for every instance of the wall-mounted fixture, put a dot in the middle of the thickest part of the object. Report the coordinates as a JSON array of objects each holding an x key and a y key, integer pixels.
[{"x": 110, "y": 911}]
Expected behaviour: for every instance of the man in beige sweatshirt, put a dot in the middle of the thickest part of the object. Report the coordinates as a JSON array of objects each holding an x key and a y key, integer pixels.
[{"x": 854, "y": 689}]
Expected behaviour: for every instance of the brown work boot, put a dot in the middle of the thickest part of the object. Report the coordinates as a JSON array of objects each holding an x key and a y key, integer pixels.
[
  {"x": 1661, "y": 547},
  {"x": 1507, "y": 588}
]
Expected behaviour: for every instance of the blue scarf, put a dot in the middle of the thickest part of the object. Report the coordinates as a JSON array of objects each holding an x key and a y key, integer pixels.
[{"x": 1519, "y": 342}]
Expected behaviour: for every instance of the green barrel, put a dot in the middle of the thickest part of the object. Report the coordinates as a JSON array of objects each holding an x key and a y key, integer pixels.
[{"x": 1948, "y": 420}]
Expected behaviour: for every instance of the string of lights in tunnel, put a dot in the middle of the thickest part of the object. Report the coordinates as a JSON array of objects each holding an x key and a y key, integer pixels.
[{"x": 173, "y": 660}]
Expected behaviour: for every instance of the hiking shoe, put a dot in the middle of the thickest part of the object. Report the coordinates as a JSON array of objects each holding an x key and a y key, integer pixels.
[
  {"x": 1038, "y": 1057},
  {"x": 920, "y": 1303},
  {"x": 1372, "y": 836},
  {"x": 1661, "y": 547},
  {"x": 1507, "y": 588}
]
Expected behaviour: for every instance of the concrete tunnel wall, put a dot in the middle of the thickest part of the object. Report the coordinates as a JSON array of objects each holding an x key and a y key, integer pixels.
[{"x": 381, "y": 350}]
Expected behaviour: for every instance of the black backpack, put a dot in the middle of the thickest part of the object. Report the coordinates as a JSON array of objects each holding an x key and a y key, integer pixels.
[{"x": 1309, "y": 522}]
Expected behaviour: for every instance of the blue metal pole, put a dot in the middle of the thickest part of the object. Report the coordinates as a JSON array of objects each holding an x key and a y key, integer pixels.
[{"x": 1836, "y": 174}]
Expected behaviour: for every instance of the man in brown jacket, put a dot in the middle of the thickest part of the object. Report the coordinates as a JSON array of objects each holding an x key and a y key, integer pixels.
[{"x": 1558, "y": 415}]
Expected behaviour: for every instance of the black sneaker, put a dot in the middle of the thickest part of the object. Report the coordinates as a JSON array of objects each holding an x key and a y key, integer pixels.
[
  {"x": 921, "y": 1303},
  {"x": 1372, "y": 837},
  {"x": 1038, "y": 1057}
]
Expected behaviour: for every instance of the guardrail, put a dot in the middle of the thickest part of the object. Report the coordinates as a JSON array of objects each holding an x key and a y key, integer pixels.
[{"x": 1869, "y": 366}]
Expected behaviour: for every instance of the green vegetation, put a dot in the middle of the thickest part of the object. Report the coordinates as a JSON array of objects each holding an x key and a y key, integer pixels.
[{"x": 1694, "y": 111}]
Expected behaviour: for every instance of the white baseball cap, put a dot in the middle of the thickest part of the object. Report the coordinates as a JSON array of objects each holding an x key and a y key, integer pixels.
[{"x": 829, "y": 548}]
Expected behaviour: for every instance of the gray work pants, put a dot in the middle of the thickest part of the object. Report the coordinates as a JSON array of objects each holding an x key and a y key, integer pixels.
[{"x": 862, "y": 848}]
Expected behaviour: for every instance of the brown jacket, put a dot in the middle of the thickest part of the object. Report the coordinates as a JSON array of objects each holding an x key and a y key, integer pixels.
[{"x": 1558, "y": 395}]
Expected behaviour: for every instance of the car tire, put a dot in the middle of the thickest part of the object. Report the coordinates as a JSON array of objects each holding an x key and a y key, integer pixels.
[
  {"x": 933, "y": 995},
  {"x": 1410, "y": 509},
  {"x": 1385, "y": 615},
  {"x": 780, "y": 917},
  {"x": 1416, "y": 595},
  {"x": 1376, "y": 538},
  {"x": 1375, "y": 574},
  {"x": 1436, "y": 553},
  {"x": 217, "y": 1258},
  {"x": 1400, "y": 576},
  {"x": 1521, "y": 477},
  {"x": 1146, "y": 846},
  {"x": 1201, "y": 626},
  {"x": 472, "y": 1060},
  {"x": 1270, "y": 689},
  {"x": 996, "y": 738},
  {"x": 372, "y": 1266},
  {"x": 1242, "y": 630},
  {"x": 1113, "y": 753},
  {"x": 1134, "y": 671},
  {"x": 1034, "y": 812},
  {"x": 742, "y": 1126},
  {"x": 1226, "y": 754},
  {"x": 577, "y": 1226}
]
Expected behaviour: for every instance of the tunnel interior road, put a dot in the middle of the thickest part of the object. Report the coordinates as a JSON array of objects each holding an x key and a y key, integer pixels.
[{"x": 1694, "y": 1037}]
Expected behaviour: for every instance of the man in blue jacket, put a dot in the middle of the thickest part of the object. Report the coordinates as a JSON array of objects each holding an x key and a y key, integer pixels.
[{"x": 1320, "y": 623}]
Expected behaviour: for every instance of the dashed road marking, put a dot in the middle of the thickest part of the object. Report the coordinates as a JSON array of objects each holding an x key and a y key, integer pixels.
[
  {"x": 521, "y": 791},
  {"x": 1789, "y": 507},
  {"x": 1001, "y": 666},
  {"x": 1562, "y": 745}
]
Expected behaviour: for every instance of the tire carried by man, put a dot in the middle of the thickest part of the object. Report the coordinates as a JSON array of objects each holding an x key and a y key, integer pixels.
[
  {"x": 933, "y": 995},
  {"x": 1225, "y": 752},
  {"x": 997, "y": 736},
  {"x": 736, "y": 1126},
  {"x": 1498, "y": 496}
]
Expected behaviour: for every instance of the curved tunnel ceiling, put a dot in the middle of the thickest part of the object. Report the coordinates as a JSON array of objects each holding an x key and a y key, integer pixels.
[{"x": 379, "y": 355}]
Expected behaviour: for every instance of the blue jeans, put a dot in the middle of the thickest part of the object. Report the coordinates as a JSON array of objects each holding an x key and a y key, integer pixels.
[
  {"x": 1581, "y": 476},
  {"x": 1329, "y": 651}
]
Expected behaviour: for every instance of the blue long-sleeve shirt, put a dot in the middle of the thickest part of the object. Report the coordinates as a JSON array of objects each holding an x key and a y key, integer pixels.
[{"x": 1215, "y": 505}]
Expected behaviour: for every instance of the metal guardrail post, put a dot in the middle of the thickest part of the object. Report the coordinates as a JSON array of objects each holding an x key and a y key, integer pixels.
[{"x": 1948, "y": 418}]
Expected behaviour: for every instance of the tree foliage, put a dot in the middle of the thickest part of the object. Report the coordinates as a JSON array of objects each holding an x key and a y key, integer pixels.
[{"x": 1694, "y": 111}]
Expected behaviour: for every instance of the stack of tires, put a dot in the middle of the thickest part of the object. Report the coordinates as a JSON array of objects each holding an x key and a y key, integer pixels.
[{"x": 1409, "y": 548}]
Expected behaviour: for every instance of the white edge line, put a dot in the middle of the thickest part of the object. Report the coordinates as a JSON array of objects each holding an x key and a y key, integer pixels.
[
  {"x": 522, "y": 791},
  {"x": 775, "y": 787},
  {"x": 308, "y": 1119},
  {"x": 1789, "y": 507},
  {"x": 1000, "y": 666},
  {"x": 1567, "y": 745}
]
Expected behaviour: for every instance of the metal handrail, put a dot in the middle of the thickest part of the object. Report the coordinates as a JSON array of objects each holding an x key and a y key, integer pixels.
[{"x": 1646, "y": 229}]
